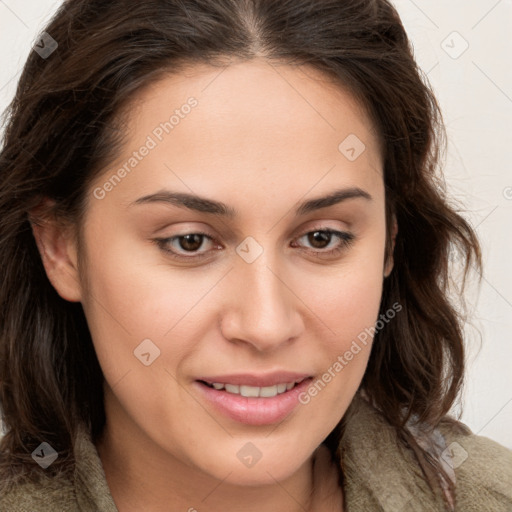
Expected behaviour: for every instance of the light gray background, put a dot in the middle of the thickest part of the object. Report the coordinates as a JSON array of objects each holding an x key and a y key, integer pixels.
[{"x": 474, "y": 88}]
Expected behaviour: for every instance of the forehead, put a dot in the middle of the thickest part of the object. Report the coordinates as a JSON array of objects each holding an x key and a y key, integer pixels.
[{"x": 253, "y": 126}]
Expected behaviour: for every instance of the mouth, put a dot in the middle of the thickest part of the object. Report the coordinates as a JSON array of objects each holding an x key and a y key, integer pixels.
[{"x": 244, "y": 402}]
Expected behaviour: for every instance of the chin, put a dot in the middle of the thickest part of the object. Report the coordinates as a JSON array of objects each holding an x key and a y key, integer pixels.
[
  {"x": 268, "y": 469},
  {"x": 256, "y": 477}
]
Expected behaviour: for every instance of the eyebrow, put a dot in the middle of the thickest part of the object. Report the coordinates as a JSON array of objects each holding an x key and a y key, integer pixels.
[{"x": 218, "y": 208}]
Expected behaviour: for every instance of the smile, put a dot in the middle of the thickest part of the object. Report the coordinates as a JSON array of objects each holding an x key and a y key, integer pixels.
[
  {"x": 250, "y": 404},
  {"x": 254, "y": 391}
]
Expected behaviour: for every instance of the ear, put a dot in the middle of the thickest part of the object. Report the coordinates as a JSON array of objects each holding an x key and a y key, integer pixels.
[
  {"x": 388, "y": 267},
  {"x": 57, "y": 247}
]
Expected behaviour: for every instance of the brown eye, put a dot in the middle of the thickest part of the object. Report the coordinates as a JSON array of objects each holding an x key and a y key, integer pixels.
[
  {"x": 320, "y": 239},
  {"x": 180, "y": 245},
  {"x": 191, "y": 242}
]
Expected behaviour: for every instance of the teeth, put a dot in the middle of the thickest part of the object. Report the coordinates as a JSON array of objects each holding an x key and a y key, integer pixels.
[
  {"x": 252, "y": 391},
  {"x": 232, "y": 388},
  {"x": 255, "y": 391},
  {"x": 268, "y": 391}
]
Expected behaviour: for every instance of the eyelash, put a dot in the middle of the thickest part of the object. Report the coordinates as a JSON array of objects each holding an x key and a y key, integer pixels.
[{"x": 346, "y": 239}]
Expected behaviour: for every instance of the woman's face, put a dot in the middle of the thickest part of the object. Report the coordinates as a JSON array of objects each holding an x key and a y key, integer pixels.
[{"x": 258, "y": 300}]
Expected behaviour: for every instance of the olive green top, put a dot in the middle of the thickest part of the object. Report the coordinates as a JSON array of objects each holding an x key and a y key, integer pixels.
[{"x": 380, "y": 473}]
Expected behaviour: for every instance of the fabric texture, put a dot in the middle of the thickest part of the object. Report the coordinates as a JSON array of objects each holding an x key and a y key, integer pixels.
[{"x": 380, "y": 473}]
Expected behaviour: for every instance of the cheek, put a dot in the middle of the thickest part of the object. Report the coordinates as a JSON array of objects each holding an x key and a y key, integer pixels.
[
  {"x": 350, "y": 314},
  {"x": 347, "y": 299},
  {"x": 133, "y": 298},
  {"x": 347, "y": 303},
  {"x": 120, "y": 304}
]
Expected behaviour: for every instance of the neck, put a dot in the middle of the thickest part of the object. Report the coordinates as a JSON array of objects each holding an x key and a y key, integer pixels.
[{"x": 140, "y": 478}]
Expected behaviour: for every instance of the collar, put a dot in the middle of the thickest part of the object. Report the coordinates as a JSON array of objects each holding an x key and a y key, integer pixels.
[{"x": 380, "y": 473}]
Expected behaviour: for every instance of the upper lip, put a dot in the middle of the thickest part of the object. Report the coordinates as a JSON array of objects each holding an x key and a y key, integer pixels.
[{"x": 257, "y": 380}]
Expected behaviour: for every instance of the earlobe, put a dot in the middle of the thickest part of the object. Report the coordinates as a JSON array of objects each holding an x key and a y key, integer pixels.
[{"x": 57, "y": 249}]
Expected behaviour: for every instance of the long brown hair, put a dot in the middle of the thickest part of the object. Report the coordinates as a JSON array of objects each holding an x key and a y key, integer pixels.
[{"x": 64, "y": 124}]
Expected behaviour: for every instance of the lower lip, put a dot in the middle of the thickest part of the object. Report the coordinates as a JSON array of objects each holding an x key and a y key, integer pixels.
[{"x": 254, "y": 411}]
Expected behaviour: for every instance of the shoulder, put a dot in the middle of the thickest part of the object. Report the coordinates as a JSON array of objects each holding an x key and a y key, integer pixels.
[
  {"x": 77, "y": 487},
  {"x": 44, "y": 495},
  {"x": 482, "y": 467},
  {"x": 381, "y": 468}
]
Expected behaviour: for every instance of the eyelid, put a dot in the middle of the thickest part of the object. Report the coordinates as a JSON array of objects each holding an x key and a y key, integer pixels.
[{"x": 347, "y": 239}]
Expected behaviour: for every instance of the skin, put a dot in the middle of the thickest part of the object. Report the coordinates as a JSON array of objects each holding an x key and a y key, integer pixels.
[{"x": 262, "y": 138}]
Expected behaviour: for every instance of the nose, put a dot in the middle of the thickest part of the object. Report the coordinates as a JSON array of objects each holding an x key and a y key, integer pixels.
[{"x": 263, "y": 310}]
